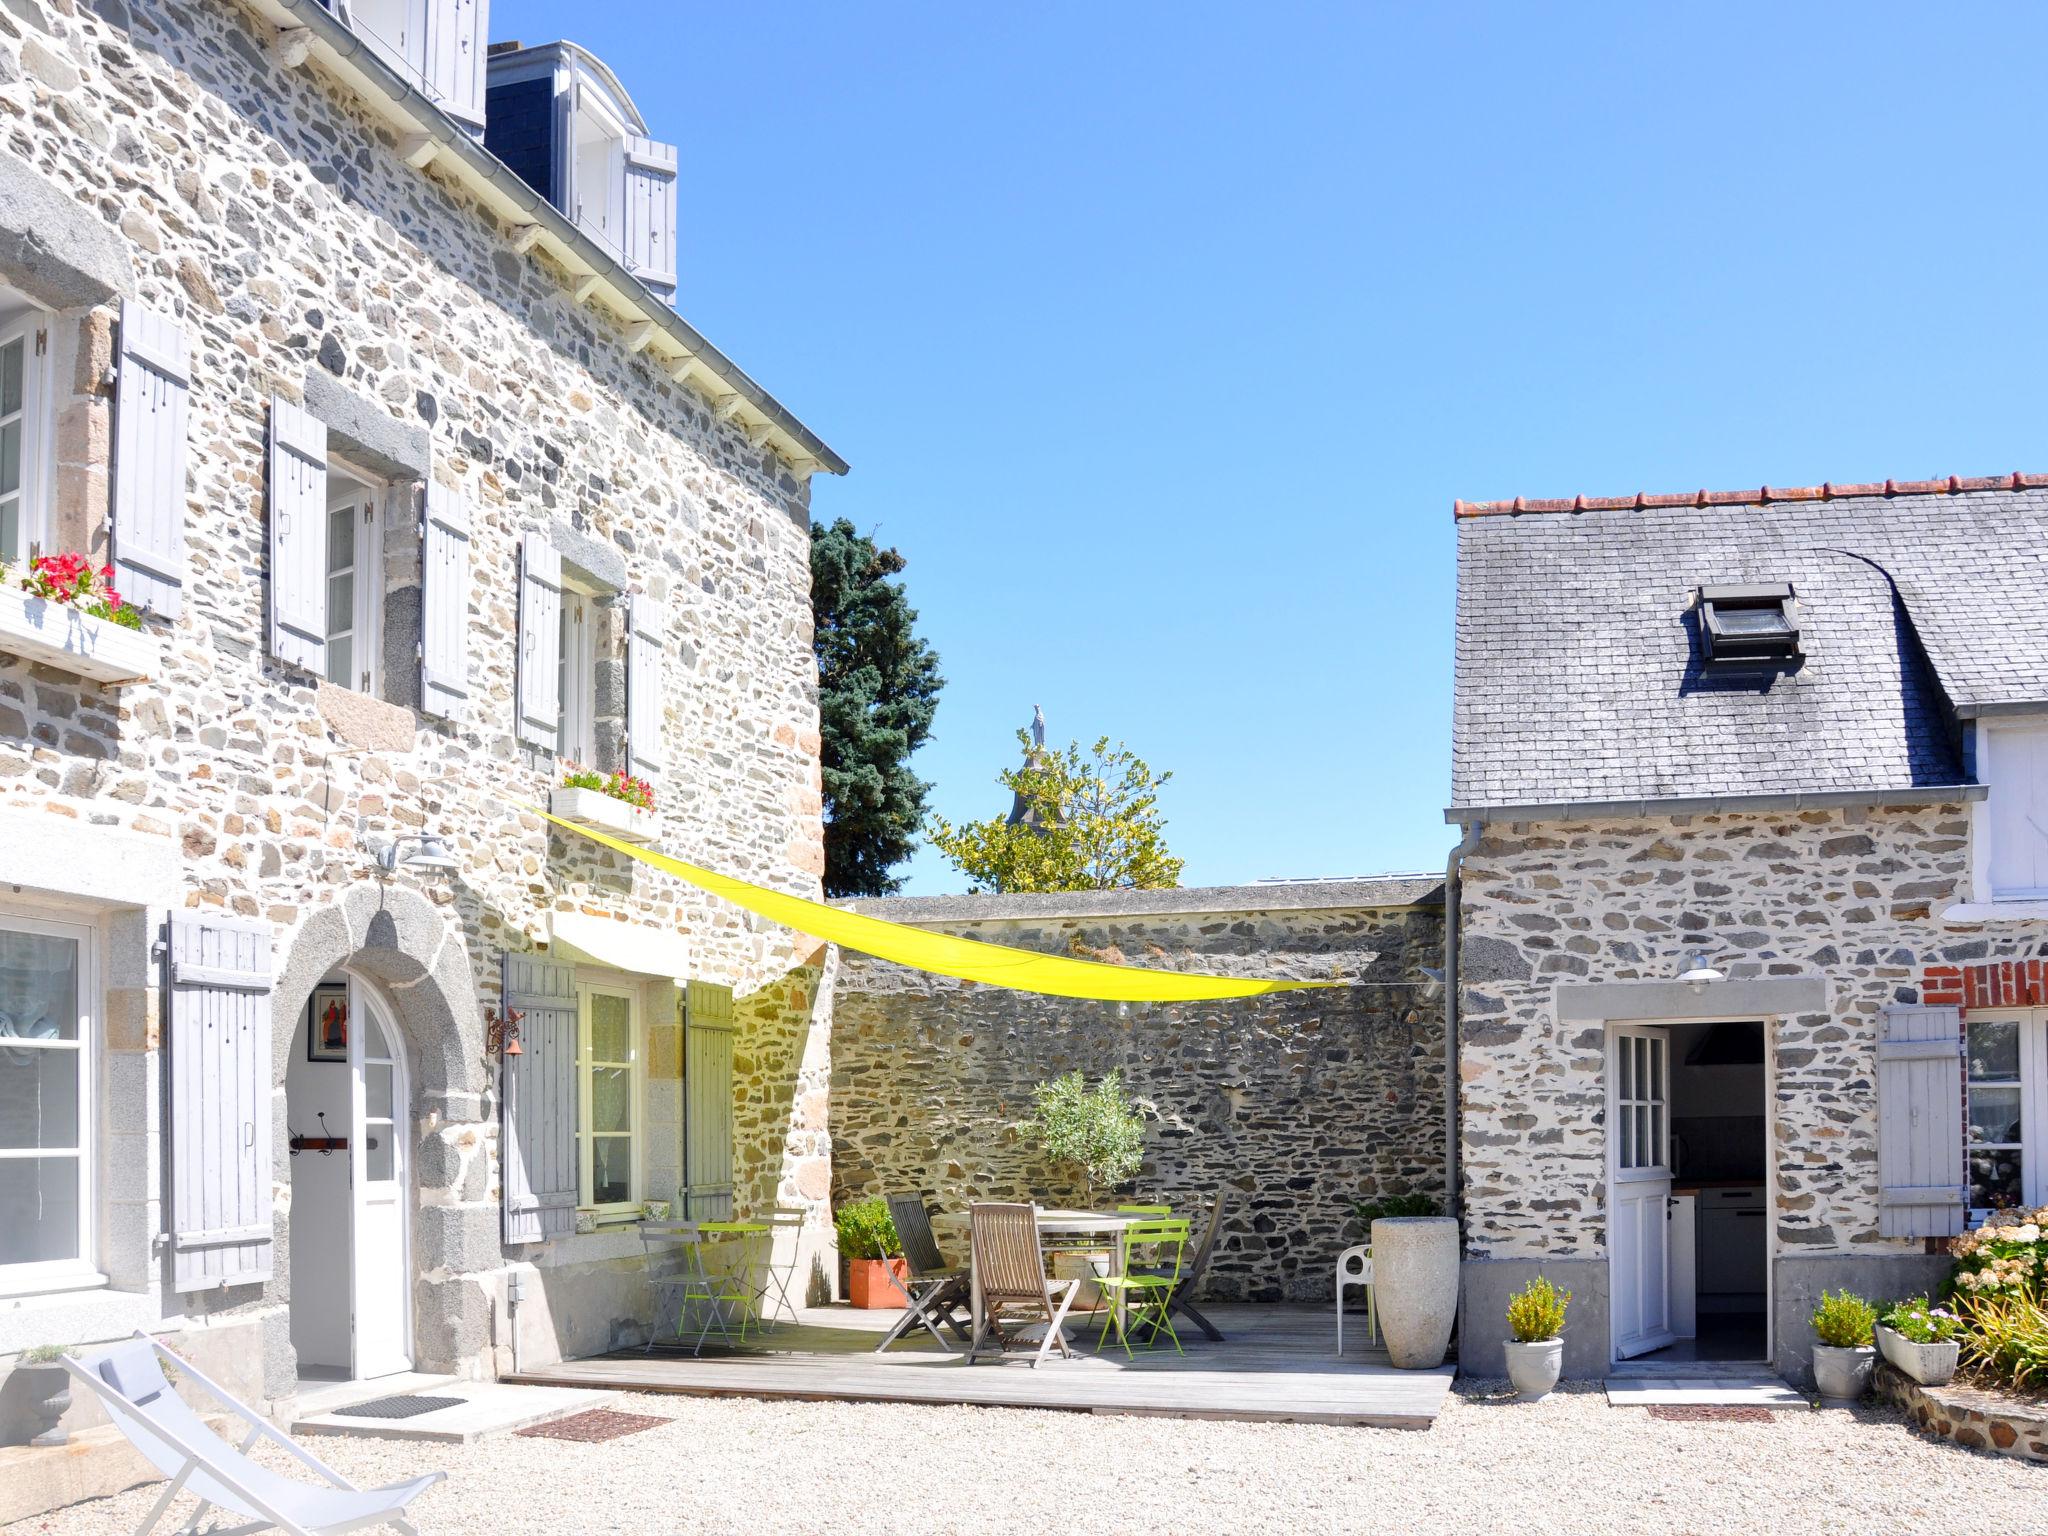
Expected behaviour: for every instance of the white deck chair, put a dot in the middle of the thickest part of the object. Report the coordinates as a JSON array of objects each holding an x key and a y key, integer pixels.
[{"x": 130, "y": 1385}]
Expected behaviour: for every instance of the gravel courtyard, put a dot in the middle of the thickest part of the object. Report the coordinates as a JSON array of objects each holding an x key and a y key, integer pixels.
[{"x": 1568, "y": 1464}]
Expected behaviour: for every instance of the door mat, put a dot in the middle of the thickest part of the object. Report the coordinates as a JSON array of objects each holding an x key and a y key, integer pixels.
[
  {"x": 399, "y": 1407},
  {"x": 1711, "y": 1413},
  {"x": 593, "y": 1424}
]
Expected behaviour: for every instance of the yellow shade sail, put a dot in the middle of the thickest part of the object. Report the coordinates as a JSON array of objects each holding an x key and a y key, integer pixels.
[{"x": 998, "y": 965}]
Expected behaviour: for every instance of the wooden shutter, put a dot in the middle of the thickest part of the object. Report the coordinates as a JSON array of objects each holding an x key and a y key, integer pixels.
[
  {"x": 444, "y": 605},
  {"x": 650, "y": 242},
  {"x": 707, "y": 1102},
  {"x": 153, "y": 380},
  {"x": 452, "y": 65},
  {"x": 1920, "y": 1123},
  {"x": 537, "y": 1102},
  {"x": 540, "y": 642},
  {"x": 643, "y": 686},
  {"x": 298, "y": 536},
  {"x": 219, "y": 983}
]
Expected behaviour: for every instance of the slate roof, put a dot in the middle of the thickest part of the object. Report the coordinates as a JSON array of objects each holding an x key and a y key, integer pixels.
[{"x": 1578, "y": 678}]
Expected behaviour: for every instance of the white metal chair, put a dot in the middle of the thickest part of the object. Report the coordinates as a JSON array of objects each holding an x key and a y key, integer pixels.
[
  {"x": 1354, "y": 1270},
  {"x": 129, "y": 1383}
]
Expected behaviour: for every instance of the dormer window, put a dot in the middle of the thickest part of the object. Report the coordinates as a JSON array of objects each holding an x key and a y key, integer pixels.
[{"x": 1753, "y": 625}]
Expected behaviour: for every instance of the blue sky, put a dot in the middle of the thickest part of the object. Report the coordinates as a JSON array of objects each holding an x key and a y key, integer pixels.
[{"x": 1161, "y": 337}]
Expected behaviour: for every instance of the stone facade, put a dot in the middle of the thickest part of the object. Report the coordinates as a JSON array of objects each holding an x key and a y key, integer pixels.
[
  {"x": 1853, "y": 897},
  {"x": 258, "y": 205},
  {"x": 1295, "y": 1104}
]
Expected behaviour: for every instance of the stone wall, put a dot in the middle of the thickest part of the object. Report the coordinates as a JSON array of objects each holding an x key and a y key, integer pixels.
[
  {"x": 258, "y": 205},
  {"x": 1295, "y": 1104}
]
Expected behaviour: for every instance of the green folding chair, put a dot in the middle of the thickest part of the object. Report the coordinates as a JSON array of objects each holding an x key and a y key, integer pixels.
[
  {"x": 1144, "y": 1210},
  {"x": 726, "y": 1294},
  {"x": 1138, "y": 1298}
]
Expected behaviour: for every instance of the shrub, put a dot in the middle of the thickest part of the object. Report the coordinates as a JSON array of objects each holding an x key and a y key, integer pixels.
[
  {"x": 1843, "y": 1320},
  {"x": 1919, "y": 1321},
  {"x": 867, "y": 1230},
  {"x": 1098, "y": 1130},
  {"x": 2004, "y": 1256},
  {"x": 41, "y": 1354},
  {"x": 1536, "y": 1311},
  {"x": 2005, "y": 1339},
  {"x": 1388, "y": 1206}
]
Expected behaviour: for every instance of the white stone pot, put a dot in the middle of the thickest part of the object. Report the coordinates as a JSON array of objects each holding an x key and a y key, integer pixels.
[
  {"x": 1932, "y": 1365},
  {"x": 1415, "y": 1287},
  {"x": 1841, "y": 1374},
  {"x": 1534, "y": 1366}
]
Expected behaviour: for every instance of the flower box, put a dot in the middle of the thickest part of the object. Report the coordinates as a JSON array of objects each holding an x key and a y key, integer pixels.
[
  {"x": 602, "y": 813},
  {"x": 61, "y": 636}
]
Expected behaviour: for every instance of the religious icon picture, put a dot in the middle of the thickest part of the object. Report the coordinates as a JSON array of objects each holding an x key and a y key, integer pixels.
[{"x": 327, "y": 1023}]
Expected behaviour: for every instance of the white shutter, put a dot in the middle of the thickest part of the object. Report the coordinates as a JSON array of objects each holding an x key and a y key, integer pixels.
[
  {"x": 1920, "y": 1122},
  {"x": 453, "y": 62},
  {"x": 537, "y": 1103},
  {"x": 540, "y": 642},
  {"x": 220, "y": 1088},
  {"x": 707, "y": 1102},
  {"x": 298, "y": 536},
  {"x": 650, "y": 243},
  {"x": 2015, "y": 765},
  {"x": 149, "y": 460},
  {"x": 643, "y": 686},
  {"x": 444, "y": 605}
]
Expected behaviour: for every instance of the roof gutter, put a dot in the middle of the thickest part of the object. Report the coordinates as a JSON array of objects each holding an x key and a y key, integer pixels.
[
  {"x": 1708, "y": 805},
  {"x": 598, "y": 273}
]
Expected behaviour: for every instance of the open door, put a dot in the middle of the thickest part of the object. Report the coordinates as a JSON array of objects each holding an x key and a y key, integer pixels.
[
  {"x": 1639, "y": 1187},
  {"x": 382, "y": 1267}
]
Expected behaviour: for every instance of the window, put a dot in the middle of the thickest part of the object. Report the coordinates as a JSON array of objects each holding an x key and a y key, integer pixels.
[
  {"x": 608, "y": 1082},
  {"x": 2012, "y": 854},
  {"x": 353, "y": 577},
  {"x": 576, "y": 732},
  {"x": 24, "y": 430},
  {"x": 2006, "y": 1067},
  {"x": 45, "y": 1102},
  {"x": 1749, "y": 625},
  {"x": 600, "y": 168}
]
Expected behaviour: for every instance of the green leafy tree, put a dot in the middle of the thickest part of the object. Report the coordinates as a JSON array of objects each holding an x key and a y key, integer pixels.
[
  {"x": 1098, "y": 1130},
  {"x": 1084, "y": 822},
  {"x": 878, "y": 687}
]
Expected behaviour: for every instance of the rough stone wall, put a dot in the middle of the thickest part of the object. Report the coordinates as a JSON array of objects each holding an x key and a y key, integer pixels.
[
  {"x": 259, "y": 206},
  {"x": 782, "y": 1136},
  {"x": 1854, "y": 896},
  {"x": 1296, "y": 1104}
]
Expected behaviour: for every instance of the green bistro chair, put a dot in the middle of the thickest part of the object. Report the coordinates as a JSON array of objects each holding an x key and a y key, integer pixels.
[
  {"x": 1141, "y": 1297},
  {"x": 1144, "y": 1210},
  {"x": 729, "y": 1292}
]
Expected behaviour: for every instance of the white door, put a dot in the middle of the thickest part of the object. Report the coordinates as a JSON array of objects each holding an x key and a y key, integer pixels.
[
  {"x": 377, "y": 1168},
  {"x": 1639, "y": 1187}
]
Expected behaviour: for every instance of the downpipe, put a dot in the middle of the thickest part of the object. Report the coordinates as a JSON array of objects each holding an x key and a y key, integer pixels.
[{"x": 1453, "y": 888}]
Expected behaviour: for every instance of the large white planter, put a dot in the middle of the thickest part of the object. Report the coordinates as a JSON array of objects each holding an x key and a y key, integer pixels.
[
  {"x": 1415, "y": 1287},
  {"x": 593, "y": 808},
  {"x": 1534, "y": 1366},
  {"x": 59, "y": 635},
  {"x": 1932, "y": 1365},
  {"x": 1841, "y": 1374}
]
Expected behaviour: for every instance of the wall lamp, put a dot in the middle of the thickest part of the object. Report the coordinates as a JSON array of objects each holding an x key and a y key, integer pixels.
[{"x": 430, "y": 856}]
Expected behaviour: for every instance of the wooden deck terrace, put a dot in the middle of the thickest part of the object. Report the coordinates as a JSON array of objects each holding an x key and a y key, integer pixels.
[{"x": 1276, "y": 1362}]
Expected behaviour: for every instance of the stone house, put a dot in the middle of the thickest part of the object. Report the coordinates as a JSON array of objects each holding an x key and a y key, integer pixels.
[
  {"x": 1750, "y": 901},
  {"x": 425, "y": 492}
]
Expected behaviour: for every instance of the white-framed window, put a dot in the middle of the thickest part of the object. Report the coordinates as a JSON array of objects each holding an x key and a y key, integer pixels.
[
  {"x": 355, "y": 505},
  {"x": 608, "y": 1058},
  {"x": 2005, "y": 1072},
  {"x": 47, "y": 986},
  {"x": 2011, "y": 822},
  {"x": 25, "y": 429},
  {"x": 576, "y": 732}
]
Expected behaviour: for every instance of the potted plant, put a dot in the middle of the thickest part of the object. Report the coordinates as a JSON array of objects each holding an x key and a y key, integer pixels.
[
  {"x": 868, "y": 1243},
  {"x": 1921, "y": 1339},
  {"x": 45, "y": 1390},
  {"x": 1844, "y": 1354},
  {"x": 1097, "y": 1131},
  {"x": 1536, "y": 1337}
]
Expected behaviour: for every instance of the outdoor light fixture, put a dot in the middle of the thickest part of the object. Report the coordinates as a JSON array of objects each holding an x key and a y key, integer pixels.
[
  {"x": 1698, "y": 973},
  {"x": 429, "y": 857}
]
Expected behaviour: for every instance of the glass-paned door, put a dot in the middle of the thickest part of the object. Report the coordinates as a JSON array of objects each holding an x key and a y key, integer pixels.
[
  {"x": 383, "y": 1286},
  {"x": 45, "y": 1101},
  {"x": 609, "y": 1113},
  {"x": 1639, "y": 1187}
]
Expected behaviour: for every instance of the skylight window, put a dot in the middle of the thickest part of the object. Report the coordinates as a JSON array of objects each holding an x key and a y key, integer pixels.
[{"x": 1749, "y": 625}]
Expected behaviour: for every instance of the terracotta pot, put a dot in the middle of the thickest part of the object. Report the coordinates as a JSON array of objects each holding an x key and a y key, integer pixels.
[
  {"x": 867, "y": 1282},
  {"x": 1415, "y": 1287}
]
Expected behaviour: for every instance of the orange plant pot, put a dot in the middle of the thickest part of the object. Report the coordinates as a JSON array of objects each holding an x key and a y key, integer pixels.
[{"x": 867, "y": 1282}]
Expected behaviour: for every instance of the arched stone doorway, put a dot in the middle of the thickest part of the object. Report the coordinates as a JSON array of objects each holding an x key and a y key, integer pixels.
[{"x": 411, "y": 955}]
